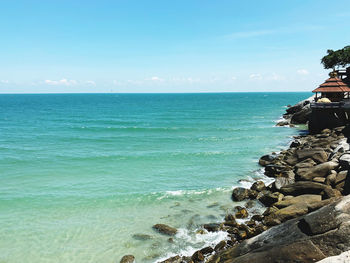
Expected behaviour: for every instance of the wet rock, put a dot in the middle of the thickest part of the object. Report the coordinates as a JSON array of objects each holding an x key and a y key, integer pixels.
[
  {"x": 127, "y": 259},
  {"x": 201, "y": 232},
  {"x": 275, "y": 170},
  {"x": 266, "y": 159},
  {"x": 271, "y": 198},
  {"x": 242, "y": 213},
  {"x": 206, "y": 251},
  {"x": 270, "y": 210},
  {"x": 175, "y": 259},
  {"x": 197, "y": 257},
  {"x": 258, "y": 186},
  {"x": 295, "y": 143},
  {"x": 165, "y": 229},
  {"x": 257, "y": 218},
  {"x": 220, "y": 245},
  {"x": 282, "y": 123},
  {"x": 232, "y": 223},
  {"x": 318, "y": 155},
  {"x": 141, "y": 237},
  {"x": 230, "y": 217},
  {"x": 240, "y": 193},
  {"x": 213, "y": 227}
]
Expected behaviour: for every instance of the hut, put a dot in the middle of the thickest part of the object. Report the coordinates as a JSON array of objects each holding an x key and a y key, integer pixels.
[
  {"x": 333, "y": 89},
  {"x": 332, "y": 105}
]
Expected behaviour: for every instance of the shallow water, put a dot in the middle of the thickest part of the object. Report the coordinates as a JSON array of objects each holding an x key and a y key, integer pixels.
[{"x": 81, "y": 174}]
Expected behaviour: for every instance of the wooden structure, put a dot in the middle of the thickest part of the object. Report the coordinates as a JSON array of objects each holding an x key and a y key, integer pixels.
[
  {"x": 333, "y": 88},
  {"x": 333, "y": 110}
]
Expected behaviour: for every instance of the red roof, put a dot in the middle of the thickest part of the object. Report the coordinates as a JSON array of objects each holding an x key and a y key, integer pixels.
[{"x": 333, "y": 84}]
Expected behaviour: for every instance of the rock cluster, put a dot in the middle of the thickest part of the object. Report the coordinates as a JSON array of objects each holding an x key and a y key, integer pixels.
[
  {"x": 297, "y": 114},
  {"x": 310, "y": 175}
]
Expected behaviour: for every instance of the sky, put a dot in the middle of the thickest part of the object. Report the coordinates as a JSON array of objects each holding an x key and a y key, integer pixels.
[{"x": 168, "y": 46}]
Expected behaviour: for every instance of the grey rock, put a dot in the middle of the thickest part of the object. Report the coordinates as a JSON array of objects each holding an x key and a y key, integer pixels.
[
  {"x": 127, "y": 259},
  {"x": 320, "y": 170},
  {"x": 165, "y": 229},
  {"x": 282, "y": 181},
  {"x": 310, "y": 238},
  {"x": 317, "y": 154}
]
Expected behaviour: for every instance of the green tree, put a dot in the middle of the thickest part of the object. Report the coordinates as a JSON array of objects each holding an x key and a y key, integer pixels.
[{"x": 338, "y": 58}]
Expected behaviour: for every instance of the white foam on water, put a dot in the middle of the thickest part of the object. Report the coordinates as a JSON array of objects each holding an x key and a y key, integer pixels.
[{"x": 184, "y": 236}]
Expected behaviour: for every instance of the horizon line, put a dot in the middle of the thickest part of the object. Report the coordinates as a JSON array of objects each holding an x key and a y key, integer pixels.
[{"x": 206, "y": 92}]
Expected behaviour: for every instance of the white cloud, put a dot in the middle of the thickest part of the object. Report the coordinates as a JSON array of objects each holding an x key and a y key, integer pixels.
[
  {"x": 302, "y": 72},
  {"x": 233, "y": 78},
  {"x": 91, "y": 82},
  {"x": 4, "y": 81},
  {"x": 63, "y": 82},
  {"x": 155, "y": 78},
  {"x": 255, "y": 76}
]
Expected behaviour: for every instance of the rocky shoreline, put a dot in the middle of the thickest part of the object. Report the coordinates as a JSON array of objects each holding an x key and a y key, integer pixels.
[{"x": 307, "y": 217}]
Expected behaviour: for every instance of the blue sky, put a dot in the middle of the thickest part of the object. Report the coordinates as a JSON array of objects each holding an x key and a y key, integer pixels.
[{"x": 168, "y": 46}]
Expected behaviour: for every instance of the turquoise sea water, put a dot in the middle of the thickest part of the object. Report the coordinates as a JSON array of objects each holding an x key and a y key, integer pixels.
[{"x": 82, "y": 174}]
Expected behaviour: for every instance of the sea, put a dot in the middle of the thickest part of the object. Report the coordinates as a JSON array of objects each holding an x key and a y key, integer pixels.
[{"x": 84, "y": 177}]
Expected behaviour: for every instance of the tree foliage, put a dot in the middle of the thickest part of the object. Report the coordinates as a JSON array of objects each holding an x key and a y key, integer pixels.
[{"x": 338, "y": 58}]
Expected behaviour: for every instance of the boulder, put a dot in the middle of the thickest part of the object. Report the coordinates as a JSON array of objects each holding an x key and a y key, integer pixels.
[
  {"x": 127, "y": 259},
  {"x": 175, "y": 259},
  {"x": 267, "y": 159},
  {"x": 320, "y": 170},
  {"x": 275, "y": 170},
  {"x": 297, "y": 107},
  {"x": 197, "y": 257},
  {"x": 289, "y": 212},
  {"x": 165, "y": 229},
  {"x": 240, "y": 193},
  {"x": 317, "y": 154},
  {"x": 307, "y": 163},
  {"x": 302, "y": 116},
  {"x": 258, "y": 186},
  {"x": 213, "y": 227},
  {"x": 282, "y": 181},
  {"x": 303, "y": 187},
  {"x": 220, "y": 245},
  {"x": 310, "y": 238},
  {"x": 301, "y": 199},
  {"x": 283, "y": 123},
  {"x": 206, "y": 251},
  {"x": 242, "y": 213},
  {"x": 271, "y": 198}
]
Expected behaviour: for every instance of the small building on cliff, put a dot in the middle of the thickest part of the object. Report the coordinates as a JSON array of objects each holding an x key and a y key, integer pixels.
[{"x": 331, "y": 107}]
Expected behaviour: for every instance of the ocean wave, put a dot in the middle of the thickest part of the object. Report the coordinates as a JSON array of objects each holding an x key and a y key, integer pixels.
[
  {"x": 191, "y": 242},
  {"x": 170, "y": 194}
]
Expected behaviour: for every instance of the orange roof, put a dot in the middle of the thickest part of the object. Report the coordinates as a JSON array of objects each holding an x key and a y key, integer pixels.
[{"x": 333, "y": 84}]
